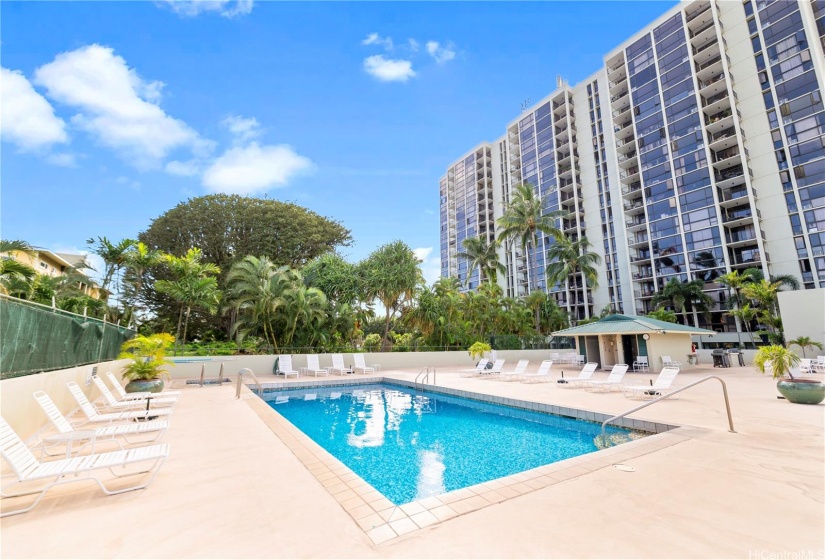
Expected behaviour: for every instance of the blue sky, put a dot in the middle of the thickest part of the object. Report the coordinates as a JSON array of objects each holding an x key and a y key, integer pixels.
[{"x": 114, "y": 112}]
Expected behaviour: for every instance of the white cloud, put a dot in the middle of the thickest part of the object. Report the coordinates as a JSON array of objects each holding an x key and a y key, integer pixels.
[
  {"x": 376, "y": 39},
  {"x": 430, "y": 265},
  {"x": 62, "y": 160},
  {"x": 413, "y": 45},
  {"x": 439, "y": 53},
  {"x": 388, "y": 70},
  {"x": 183, "y": 168},
  {"x": 26, "y": 118},
  {"x": 226, "y": 8},
  {"x": 116, "y": 106},
  {"x": 253, "y": 169},
  {"x": 242, "y": 129}
]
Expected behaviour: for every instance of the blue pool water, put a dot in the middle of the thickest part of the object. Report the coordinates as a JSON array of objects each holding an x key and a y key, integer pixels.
[{"x": 411, "y": 444}]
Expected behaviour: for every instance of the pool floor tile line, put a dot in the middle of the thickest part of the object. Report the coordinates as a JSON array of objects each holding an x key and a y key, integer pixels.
[{"x": 383, "y": 521}]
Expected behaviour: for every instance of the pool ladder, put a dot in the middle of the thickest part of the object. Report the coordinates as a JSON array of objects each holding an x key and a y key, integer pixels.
[
  {"x": 247, "y": 371},
  {"x": 424, "y": 377}
]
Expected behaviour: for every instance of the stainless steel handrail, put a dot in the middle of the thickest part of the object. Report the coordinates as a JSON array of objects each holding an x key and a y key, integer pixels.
[
  {"x": 240, "y": 382},
  {"x": 203, "y": 372},
  {"x": 426, "y": 373},
  {"x": 663, "y": 397}
]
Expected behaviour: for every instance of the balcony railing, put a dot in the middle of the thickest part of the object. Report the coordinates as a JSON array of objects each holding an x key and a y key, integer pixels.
[
  {"x": 737, "y": 236},
  {"x": 731, "y": 173},
  {"x": 714, "y": 98},
  {"x": 704, "y": 47},
  {"x": 727, "y": 133},
  {"x": 726, "y": 154},
  {"x": 737, "y": 215},
  {"x": 709, "y": 63},
  {"x": 691, "y": 17},
  {"x": 705, "y": 83}
]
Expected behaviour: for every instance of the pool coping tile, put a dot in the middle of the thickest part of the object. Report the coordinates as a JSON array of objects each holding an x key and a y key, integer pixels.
[{"x": 383, "y": 521}]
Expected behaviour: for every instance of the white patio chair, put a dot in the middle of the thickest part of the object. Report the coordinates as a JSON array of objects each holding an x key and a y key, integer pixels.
[
  {"x": 479, "y": 369},
  {"x": 543, "y": 373},
  {"x": 361, "y": 365},
  {"x": 113, "y": 404},
  {"x": 114, "y": 433},
  {"x": 579, "y": 359},
  {"x": 662, "y": 385},
  {"x": 27, "y": 468},
  {"x": 819, "y": 364},
  {"x": 494, "y": 371},
  {"x": 613, "y": 380},
  {"x": 338, "y": 365},
  {"x": 806, "y": 365},
  {"x": 285, "y": 366},
  {"x": 641, "y": 364},
  {"x": 585, "y": 375},
  {"x": 93, "y": 415},
  {"x": 667, "y": 361},
  {"x": 521, "y": 368},
  {"x": 314, "y": 367},
  {"x": 136, "y": 396}
]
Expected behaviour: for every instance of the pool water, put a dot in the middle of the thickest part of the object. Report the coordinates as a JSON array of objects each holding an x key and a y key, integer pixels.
[{"x": 412, "y": 444}]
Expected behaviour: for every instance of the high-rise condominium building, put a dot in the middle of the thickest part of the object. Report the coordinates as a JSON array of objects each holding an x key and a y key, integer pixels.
[{"x": 696, "y": 150}]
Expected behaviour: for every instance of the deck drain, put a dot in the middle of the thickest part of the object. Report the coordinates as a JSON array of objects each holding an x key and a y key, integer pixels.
[{"x": 624, "y": 468}]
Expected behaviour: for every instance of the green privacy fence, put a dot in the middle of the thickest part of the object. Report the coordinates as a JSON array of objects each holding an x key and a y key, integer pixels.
[{"x": 35, "y": 338}]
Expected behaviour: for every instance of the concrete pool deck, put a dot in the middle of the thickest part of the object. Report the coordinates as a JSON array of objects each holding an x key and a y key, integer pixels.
[{"x": 233, "y": 489}]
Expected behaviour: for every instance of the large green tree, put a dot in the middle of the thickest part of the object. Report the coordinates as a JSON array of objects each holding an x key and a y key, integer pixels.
[
  {"x": 390, "y": 275},
  {"x": 571, "y": 258},
  {"x": 523, "y": 218},
  {"x": 684, "y": 297}
]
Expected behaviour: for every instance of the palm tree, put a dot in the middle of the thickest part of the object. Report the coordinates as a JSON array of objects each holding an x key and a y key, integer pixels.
[
  {"x": 254, "y": 287},
  {"x": 788, "y": 280},
  {"x": 804, "y": 342},
  {"x": 684, "y": 295},
  {"x": 568, "y": 257},
  {"x": 482, "y": 255},
  {"x": 15, "y": 276},
  {"x": 536, "y": 301},
  {"x": 523, "y": 217},
  {"x": 189, "y": 292},
  {"x": 189, "y": 287},
  {"x": 139, "y": 260},
  {"x": 113, "y": 255},
  {"x": 764, "y": 293},
  {"x": 307, "y": 305}
]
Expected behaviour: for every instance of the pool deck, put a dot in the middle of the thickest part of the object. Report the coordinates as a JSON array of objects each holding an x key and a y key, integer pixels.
[{"x": 232, "y": 488}]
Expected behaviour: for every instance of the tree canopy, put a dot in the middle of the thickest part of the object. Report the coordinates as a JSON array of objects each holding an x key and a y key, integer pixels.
[{"x": 227, "y": 228}]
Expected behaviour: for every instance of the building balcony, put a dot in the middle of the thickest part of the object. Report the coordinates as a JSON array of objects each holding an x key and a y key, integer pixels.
[
  {"x": 643, "y": 274},
  {"x": 624, "y": 146},
  {"x": 738, "y": 217},
  {"x": 622, "y": 116},
  {"x": 740, "y": 237},
  {"x": 729, "y": 177},
  {"x": 634, "y": 206},
  {"x": 696, "y": 10},
  {"x": 704, "y": 35},
  {"x": 722, "y": 139},
  {"x": 708, "y": 67},
  {"x": 629, "y": 176},
  {"x": 640, "y": 257},
  {"x": 727, "y": 158},
  {"x": 716, "y": 103},
  {"x": 638, "y": 240},
  {"x": 706, "y": 53},
  {"x": 626, "y": 161},
  {"x": 620, "y": 101}
]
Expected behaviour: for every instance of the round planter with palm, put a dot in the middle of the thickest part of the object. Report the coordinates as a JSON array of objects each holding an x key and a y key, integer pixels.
[
  {"x": 780, "y": 362},
  {"x": 147, "y": 369}
]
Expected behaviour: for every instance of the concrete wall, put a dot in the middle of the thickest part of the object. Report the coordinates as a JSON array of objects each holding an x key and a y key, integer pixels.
[
  {"x": 803, "y": 314},
  {"x": 262, "y": 365},
  {"x": 23, "y": 413}
]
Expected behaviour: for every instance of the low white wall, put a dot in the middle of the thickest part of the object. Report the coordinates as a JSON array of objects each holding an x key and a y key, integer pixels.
[
  {"x": 23, "y": 413},
  {"x": 262, "y": 365}
]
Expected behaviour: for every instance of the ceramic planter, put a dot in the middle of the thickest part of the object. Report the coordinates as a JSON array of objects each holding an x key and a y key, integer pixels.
[
  {"x": 145, "y": 385},
  {"x": 802, "y": 391}
]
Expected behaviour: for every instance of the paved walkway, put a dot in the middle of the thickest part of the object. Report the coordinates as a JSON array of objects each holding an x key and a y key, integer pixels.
[{"x": 232, "y": 489}]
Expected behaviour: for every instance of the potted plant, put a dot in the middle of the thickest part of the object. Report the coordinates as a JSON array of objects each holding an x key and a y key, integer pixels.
[
  {"x": 148, "y": 355},
  {"x": 478, "y": 349},
  {"x": 780, "y": 361}
]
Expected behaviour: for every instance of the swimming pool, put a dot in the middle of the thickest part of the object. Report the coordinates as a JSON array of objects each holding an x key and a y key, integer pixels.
[{"x": 412, "y": 444}]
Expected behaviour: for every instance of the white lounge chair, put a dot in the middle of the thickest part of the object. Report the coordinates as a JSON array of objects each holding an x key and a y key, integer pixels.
[
  {"x": 662, "y": 385},
  {"x": 136, "y": 396},
  {"x": 285, "y": 366},
  {"x": 361, "y": 365},
  {"x": 543, "y": 373},
  {"x": 668, "y": 362},
  {"x": 806, "y": 365},
  {"x": 585, "y": 375},
  {"x": 114, "y": 433},
  {"x": 93, "y": 415},
  {"x": 494, "y": 371},
  {"x": 613, "y": 380},
  {"x": 641, "y": 364},
  {"x": 819, "y": 364},
  {"x": 27, "y": 468},
  {"x": 338, "y": 365},
  {"x": 480, "y": 367},
  {"x": 314, "y": 367},
  {"x": 578, "y": 359},
  {"x": 521, "y": 368},
  {"x": 113, "y": 404}
]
